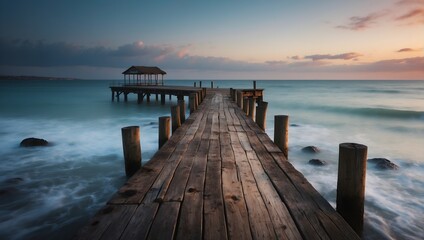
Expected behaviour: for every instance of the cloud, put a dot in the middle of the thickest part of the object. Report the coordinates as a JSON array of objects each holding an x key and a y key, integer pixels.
[
  {"x": 343, "y": 56},
  {"x": 407, "y": 50},
  {"x": 394, "y": 65},
  {"x": 56, "y": 58},
  {"x": 410, "y": 2},
  {"x": 359, "y": 23},
  {"x": 414, "y": 16}
]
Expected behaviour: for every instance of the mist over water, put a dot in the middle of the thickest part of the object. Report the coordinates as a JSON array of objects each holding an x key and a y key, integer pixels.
[{"x": 51, "y": 192}]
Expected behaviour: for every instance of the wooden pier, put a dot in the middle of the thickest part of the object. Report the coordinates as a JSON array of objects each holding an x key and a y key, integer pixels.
[
  {"x": 218, "y": 177},
  {"x": 146, "y": 92}
]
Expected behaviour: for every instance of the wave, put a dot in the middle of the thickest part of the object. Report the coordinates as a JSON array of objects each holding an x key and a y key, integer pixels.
[
  {"x": 380, "y": 112},
  {"x": 391, "y": 91}
]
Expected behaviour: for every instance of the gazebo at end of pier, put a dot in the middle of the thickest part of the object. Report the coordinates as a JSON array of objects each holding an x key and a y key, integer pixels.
[{"x": 142, "y": 75}]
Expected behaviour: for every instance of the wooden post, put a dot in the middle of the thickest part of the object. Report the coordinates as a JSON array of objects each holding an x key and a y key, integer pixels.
[
  {"x": 231, "y": 93},
  {"x": 157, "y": 97},
  {"x": 200, "y": 84},
  {"x": 351, "y": 184},
  {"x": 175, "y": 115},
  {"x": 170, "y": 97},
  {"x": 181, "y": 104},
  {"x": 125, "y": 97},
  {"x": 281, "y": 132},
  {"x": 254, "y": 85},
  {"x": 197, "y": 100},
  {"x": 245, "y": 106},
  {"x": 148, "y": 98},
  {"x": 164, "y": 130},
  {"x": 240, "y": 99},
  {"x": 211, "y": 84},
  {"x": 113, "y": 96},
  {"x": 204, "y": 92},
  {"x": 192, "y": 102},
  {"x": 261, "y": 114},
  {"x": 132, "y": 149},
  {"x": 194, "y": 85},
  {"x": 252, "y": 108},
  {"x": 162, "y": 99}
]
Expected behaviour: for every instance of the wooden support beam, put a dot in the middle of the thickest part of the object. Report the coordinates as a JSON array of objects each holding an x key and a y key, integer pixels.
[
  {"x": 162, "y": 99},
  {"x": 181, "y": 104},
  {"x": 132, "y": 149},
  {"x": 261, "y": 114},
  {"x": 252, "y": 108},
  {"x": 281, "y": 132},
  {"x": 164, "y": 130},
  {"x": 351, "y": 184},
  {"x": 175, "y": 116}
]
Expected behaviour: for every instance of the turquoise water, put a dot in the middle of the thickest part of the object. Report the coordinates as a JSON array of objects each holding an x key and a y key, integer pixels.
[{"x": 48, "y": 193}]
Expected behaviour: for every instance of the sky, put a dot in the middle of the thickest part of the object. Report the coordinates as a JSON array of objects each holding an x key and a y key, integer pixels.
[{"x": 238, "y": 39}]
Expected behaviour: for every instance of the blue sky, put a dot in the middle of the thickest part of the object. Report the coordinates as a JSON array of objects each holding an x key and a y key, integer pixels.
[{"x": 328, "y": 39}]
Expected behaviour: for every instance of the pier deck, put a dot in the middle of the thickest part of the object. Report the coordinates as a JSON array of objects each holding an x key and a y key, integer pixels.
[{"x": 218, "y": 177}]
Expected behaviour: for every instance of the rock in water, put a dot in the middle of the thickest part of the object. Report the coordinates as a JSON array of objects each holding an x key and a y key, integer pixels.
[
  {"x": 33, "y": 142},
  {"x": 310, "y": 149},
  {"x": 383, "y": 164},
  {"x": 317, "y": 162}
]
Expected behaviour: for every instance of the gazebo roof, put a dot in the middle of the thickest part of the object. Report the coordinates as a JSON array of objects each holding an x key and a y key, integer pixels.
[{"x": 144, "y": 70}]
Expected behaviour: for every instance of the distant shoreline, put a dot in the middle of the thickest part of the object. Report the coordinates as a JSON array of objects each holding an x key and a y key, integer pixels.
[{"x": 12, "y": 77}]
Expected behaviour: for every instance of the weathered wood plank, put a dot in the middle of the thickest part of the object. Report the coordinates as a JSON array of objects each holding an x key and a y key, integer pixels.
[
  {"x": 260, "y": 222},
  {"x": 191, "y": 216},
  {"x": 165, "y": 222},
  {"x": 111, "y": 219},
  {"x": 141, "y": 221},
  {"x": 235, "y": 205}
]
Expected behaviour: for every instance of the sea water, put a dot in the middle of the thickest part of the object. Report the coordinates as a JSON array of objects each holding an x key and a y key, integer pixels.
[{"x": 50, "y": 192}]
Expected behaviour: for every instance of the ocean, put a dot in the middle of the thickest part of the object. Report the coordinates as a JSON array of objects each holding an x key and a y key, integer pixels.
[{"x": 51, "y": 192}]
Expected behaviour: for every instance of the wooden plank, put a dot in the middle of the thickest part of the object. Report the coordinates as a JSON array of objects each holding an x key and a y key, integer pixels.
[
  {"x": 111, "y": 219},
  {"x": 191, "y": 216},
  {"x": 214, "y": 215},
  {"x": 175, "y": 192},
  {"x": 165, "y": 222},
  {"x": 235, "y": 205},
  {"x": 141, "y": 221},
  {"x": 260, "y": 222},
  {"x": 284, "y": 226}
]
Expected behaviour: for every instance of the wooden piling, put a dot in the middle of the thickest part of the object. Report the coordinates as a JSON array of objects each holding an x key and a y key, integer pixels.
[
  {"x": 254, "y": 84},
  {"x": 192, "y": 102},
  {"x": 181, "y": 104},
  {"x": 132, "y": 149},
  {"x": 240, "y": 99},
  {"x": 351, "y": 184},
  {"x": 261, "y": 114},
  {"x": 148, "y": 97},
  {"x": 252, "y": 108},
  {"x": 113, "y": 96},
  {"x": 211, "y": 84},
  {"x": 175, "y": 116},
  {"x": 197, "y": 100},
  {"x": 164, "y": 130},
  {"x": 194, "y": 84},
  {"x": 157, "y": 97},
  {"x": 246, "y": 105},
  {"x": 281, "y": 133},
  {"x": 162, "y": 99},
  {"x": 200, "y": 84},
  {"x": 125, "y": 97}
]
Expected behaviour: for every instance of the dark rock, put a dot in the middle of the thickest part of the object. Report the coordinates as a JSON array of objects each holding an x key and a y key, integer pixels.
[
  {"x": 383, "y": 164},
  {"x": 33, "y": 142},
  {"x": 310, "y": 149},
  {"x": 317, "y": 162},
  {"x": 14, "y": 180},
  {"x": 294, "y": 125}
]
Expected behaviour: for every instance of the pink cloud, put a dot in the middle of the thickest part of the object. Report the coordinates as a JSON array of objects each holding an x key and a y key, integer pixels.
[
  {"x": 359, "y": 23},
  {"x": 413, "y": 16},
  {"x": 343, "y": 56},
  {"x": 407, "y": 50}
]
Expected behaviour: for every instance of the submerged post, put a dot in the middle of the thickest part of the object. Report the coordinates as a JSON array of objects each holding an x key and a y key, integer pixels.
[
  {"x": 261, "y": 114},
  {"x": 175, "y": 115},
  {"x": 281, "y": 133},
  {"x": 181, "y": 104},
  {"x": 351, "y": 184},
  {"x": 132, "y": 149},
  {"x": 164, "y": 130},
  {"x": 254, "y": 85}
]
